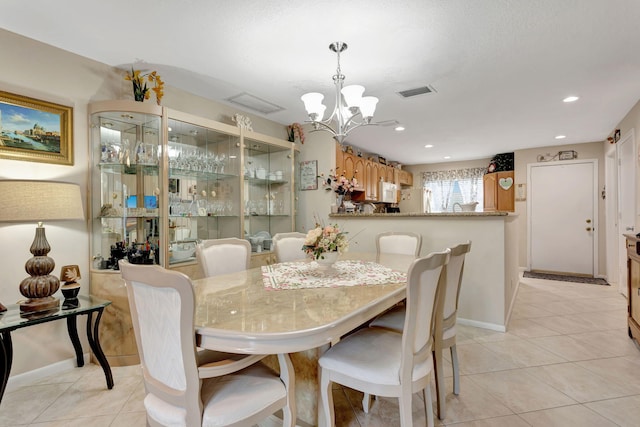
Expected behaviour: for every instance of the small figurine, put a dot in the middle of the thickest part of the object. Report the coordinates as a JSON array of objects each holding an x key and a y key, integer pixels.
[{"x": 70, "y": 289}]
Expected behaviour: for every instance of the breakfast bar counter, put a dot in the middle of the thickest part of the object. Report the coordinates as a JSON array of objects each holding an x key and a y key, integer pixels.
[{"x": 491, "y": 268}]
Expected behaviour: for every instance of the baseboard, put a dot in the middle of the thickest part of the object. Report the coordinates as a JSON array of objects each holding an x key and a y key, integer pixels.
[
  {"x": 483, "y": 325},
  {"x": 35, "y": 375}
]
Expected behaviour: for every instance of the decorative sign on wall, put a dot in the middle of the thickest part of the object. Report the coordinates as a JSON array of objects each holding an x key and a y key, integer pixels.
[
  {"x": 505, "y": 183},
  {"x": 309, "y": 175}
]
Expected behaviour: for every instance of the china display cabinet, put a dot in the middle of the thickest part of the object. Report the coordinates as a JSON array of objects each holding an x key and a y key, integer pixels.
[
  {"x": 163, "y": 180},
  {"x": 125, "y": 209},
  {"x": 203, "y": 187},
  {"x": 268, "y": 188}
]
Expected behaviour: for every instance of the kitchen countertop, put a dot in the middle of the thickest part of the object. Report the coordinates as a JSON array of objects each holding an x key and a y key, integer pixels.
[{"x": 418, "y": 214}]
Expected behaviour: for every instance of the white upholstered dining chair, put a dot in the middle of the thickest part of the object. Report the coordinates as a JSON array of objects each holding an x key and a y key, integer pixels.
[
  {"x": 186, "y": 388},
  {"x": 288, "y": 246},
  {"x": 445, "y": 332},
  {"x": 395, "y": 242},
  {"x": 383, "y": 362},
  {"x": 223, "y": 256}
]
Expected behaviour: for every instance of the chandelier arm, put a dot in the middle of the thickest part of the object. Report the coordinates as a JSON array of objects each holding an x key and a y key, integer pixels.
[{"x": 317, "y": 125}]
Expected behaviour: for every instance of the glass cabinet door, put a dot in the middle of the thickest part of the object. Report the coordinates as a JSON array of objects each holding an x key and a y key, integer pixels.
[
  {"x": 203, "y": 184},
  {"x": 268, "y": 191},
  {"x": 125, "y": 182}
]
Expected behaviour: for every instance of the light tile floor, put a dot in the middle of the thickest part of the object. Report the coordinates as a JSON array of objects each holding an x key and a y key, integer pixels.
[{"x": 565, "y": 361}]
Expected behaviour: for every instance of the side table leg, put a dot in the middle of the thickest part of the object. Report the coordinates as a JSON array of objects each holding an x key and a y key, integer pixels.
[
  {"x": 6, "y": 358},
  {"x": 94, "y": 342},
  {"x": 72, "y": 328}
]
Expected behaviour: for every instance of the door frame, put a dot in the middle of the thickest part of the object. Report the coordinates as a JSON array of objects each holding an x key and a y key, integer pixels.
[
  {"x": 610, "y": 196},
  {"x": 628, "y": 137},
  {"x": 594, "y": 201}
]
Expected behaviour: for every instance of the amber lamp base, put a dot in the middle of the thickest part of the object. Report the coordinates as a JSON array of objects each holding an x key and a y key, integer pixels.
[{"x": 41, "y": 285}]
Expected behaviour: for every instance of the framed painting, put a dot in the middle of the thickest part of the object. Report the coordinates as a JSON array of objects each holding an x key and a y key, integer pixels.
[
  {"x": 34, "y": 130},
  {"x": 309, "y": 175}
]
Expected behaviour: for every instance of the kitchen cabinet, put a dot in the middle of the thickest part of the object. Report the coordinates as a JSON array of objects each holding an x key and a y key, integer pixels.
[
  {"x": 352, "y": 167},
  {"x": 339, "y": 158},
  {"x": 389, "y": 174},
  {"x": 499, "y": 191},
  {"x": 405, "y": 178},
  {"x": 368, "y": 173},
  {"x": 633, "y": 286},
  {"x": 371, "y": 185}
]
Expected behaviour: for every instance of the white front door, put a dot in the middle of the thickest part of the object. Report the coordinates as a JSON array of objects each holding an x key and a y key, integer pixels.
[
  {"x": 562, "y": 216},
  {"x": 626, "y": 152}
]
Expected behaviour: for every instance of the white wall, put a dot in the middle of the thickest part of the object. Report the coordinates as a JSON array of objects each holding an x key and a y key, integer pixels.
[{"x": 313, "y": 204}]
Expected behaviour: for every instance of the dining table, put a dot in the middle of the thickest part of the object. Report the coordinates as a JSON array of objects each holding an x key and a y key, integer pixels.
[{"x": 299, "y": 308}]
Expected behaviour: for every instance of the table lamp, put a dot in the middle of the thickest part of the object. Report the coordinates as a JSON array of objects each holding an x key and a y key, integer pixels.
[{"x": 25, "y": 201}]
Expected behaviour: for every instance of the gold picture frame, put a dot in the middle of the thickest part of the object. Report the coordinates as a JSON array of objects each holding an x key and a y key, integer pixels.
[{"x": 33, "y": 130}]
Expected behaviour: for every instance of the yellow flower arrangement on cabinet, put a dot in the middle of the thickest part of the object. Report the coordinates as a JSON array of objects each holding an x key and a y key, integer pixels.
[{"x": 140, "y": 89}]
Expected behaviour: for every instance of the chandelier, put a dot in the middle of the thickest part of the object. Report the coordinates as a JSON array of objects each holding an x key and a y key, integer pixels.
[{"x": 349, "y": 104}]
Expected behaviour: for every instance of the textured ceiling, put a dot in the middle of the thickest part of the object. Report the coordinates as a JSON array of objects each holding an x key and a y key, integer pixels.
[{"x": 500, "y": 68}]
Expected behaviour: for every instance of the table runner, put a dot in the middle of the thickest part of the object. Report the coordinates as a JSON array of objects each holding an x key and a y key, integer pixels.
[{"x": 306, "y": 275}]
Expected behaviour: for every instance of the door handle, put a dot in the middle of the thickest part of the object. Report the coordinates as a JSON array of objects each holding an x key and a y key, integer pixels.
[{"x": 629, "y": 228}]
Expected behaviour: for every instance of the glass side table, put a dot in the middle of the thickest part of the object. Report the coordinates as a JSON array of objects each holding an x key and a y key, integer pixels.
[{"x": 12, "y": 319}]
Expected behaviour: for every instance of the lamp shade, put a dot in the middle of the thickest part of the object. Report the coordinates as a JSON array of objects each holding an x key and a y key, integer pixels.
[
  {"x": 352, "y": 95},
  {"x": 368, "y": 106},
  {"x": 26, "y": 201}
]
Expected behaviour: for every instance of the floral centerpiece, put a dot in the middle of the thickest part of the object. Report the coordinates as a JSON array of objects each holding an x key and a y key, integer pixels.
[
  {"x": 339, "y": 184},
  {"x": 294, "y": 131},
  {"x": 140, "y": 89},
  {"x": 325, "y": 239}
]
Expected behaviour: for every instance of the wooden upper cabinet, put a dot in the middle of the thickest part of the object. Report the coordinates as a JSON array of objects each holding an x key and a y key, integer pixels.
[
  {"x": 358, "y": 173},
  {"x": 339, "y": 159},
  {"x": 349, "y": 166},
  {"x": 405, "y": 177},
  {"x": 389, "y": 175},
  {"x": 499, "y": 193}
]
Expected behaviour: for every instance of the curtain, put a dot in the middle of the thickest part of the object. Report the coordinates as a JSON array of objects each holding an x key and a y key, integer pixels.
[{"x": 442, "y": 189}]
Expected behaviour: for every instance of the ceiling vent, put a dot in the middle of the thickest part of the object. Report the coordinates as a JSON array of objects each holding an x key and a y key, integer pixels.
[
  {"x": 254, "y": 103},
  {"x": 416, "y": 91}
]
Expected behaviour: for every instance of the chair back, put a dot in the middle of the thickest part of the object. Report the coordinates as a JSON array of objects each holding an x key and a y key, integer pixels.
[
  {"x": 288, "y": 246},
  {"x": 426, "y": 280},
  {"x": 223, "y": 256},
  {"x": 162, "y": 310},
  {"x": 404, "y": 243},
  {"x": 455, "y": 268}
]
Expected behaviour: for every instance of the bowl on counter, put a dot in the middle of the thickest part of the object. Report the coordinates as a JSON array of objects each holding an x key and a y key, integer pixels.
[{"x": 182, "y": 251}]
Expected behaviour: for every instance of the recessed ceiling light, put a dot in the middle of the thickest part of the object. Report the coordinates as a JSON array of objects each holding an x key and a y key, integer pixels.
[
  {"x": 428, "y": 146},
  {"x": 561, "y": 136},
  {"x": 447, "y": 157},
  {"x": 399, "y": 128},
  {"x": 571, "y": 99}
]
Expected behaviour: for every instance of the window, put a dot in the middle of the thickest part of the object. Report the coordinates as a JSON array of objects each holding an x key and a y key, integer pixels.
[{"x": 443, "y": 189}]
